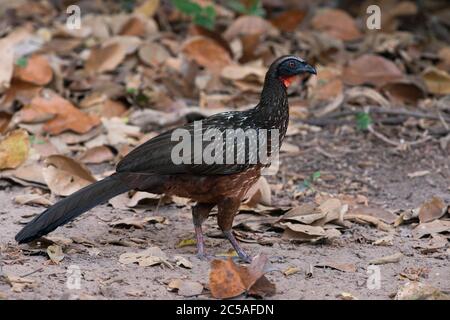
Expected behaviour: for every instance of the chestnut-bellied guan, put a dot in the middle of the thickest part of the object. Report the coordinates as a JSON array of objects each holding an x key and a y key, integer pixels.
[{"x": 150, "y": 167}]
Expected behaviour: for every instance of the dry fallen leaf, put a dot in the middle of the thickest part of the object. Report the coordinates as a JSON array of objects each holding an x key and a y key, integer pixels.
[
  {"x": 432, "y": 209},
  {"x": 186, "y": 288},
  {"x": 105, "y": 58},
  {"x": 149, "y": 257},
  {"x": 207, "y": 53},
  {"x": 64, "y": 175},
  {"x": 55, "y": 253},
  {"x": 14, "y": 149},
  {"x": 32, "y": 199},
  {"x": 60, "y": 113},
  {"x": 153, "y": 54},
  {"x": 420, "y": 291},
  {"x": 371, "y": 69},
  {"x": 288, "y": 20},
  {"x": 249, "y": 25},
  {"x": 336, "y": 23},
  {"x": 118, "y": 131},
  {"x": 98, "y": 154},
  {"x": 147, "y": 8},
  {"x": 393, "y": 258},
  {"x": 429, "y": 228},
  {"x": 228, "y": 280},
  {"x": 37, "y": 70},
  {"x": 183, "y": 262},
  {"x": 437, "y": 81}
]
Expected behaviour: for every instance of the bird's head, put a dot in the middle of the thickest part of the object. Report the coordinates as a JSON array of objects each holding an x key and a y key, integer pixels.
[{"x": 286, "y": 68}]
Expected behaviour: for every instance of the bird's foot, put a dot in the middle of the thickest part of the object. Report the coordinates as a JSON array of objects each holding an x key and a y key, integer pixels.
[{"x": 240, "y": 252}]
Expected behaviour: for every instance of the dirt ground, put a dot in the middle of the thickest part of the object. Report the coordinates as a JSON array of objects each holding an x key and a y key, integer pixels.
[{"x": 364, "y": 166}]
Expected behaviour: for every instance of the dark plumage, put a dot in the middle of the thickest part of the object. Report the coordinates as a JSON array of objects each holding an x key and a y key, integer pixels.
[{"x": 150, "y": 168}]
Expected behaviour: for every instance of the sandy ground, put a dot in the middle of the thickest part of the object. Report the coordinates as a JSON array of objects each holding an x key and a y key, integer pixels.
[{"x": 380, "y": 173}]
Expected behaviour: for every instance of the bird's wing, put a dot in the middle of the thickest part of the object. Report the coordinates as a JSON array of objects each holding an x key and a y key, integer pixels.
[{"x": 155, "y": 155}]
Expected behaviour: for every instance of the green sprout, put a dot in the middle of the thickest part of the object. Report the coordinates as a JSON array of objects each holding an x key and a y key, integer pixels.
[
  {"x": 202, "y": 16},
  {"x": 22, "y": 62},
  {"x": 308, "y": 182},
  {"x": 253, "y": 7},
  {"x": 363, "y": 121}
]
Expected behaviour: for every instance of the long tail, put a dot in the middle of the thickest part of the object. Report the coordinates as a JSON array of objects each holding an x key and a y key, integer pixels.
[{"x": 71, "y": 207}]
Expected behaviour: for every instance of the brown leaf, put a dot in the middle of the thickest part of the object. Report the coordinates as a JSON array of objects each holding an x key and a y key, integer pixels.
[
  {"x": 430, "y": 228},
  {"x": 437, "y": 81},
  {"x": 98, "y": 154},
  {"x": 227, "y": 280},
  {"x": 6, "y": 62},
  {"x": 105, "y": 58},
  {"x": 30, "y": 172},
  {"x": 134, "y": 26},
  {"x": 153, "y": 54},
  {"x": 432, "y": 209},
  {"x": 249, "y": 25},
  {"x": 14, "y": 149},
  {"x": 336, "y": 23},
  {"x": 288, "y": 20},
  {"x": 371, "y": 69},
  {"x": 5, "y": 119},
  {"x": 63, "y": 114},
  {"x": 379, "y": 213},
  {"x": 36, "y": 71},
  {"x": 64, "y": 175},
  {"x": 404, "y": 91},
  {"x": 207, "y": 53}
]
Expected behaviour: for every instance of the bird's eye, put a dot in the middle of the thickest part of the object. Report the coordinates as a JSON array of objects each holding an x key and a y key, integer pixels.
[{"x": 291, "y": 64}]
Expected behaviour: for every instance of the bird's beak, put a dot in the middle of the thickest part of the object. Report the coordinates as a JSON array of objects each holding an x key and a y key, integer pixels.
[{"x": 309, "y": 69}]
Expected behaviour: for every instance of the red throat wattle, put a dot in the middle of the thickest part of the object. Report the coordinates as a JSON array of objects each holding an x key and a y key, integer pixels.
[{"x": 287, "y": 80}]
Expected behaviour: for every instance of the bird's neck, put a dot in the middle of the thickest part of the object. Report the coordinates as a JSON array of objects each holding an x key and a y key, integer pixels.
[{"x": 273, "y": 106}]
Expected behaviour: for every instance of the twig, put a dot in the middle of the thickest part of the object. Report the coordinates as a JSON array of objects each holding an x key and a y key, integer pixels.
[
  {"x": 400, "y": 144},
  {"x": 332, "y": 117},
  {"x": 32, "y": 272}
]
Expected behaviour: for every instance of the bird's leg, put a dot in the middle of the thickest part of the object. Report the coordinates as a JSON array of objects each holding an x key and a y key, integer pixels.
[
  {"x": 200, "y": 213},
  {"x": 225, "y": 216}
]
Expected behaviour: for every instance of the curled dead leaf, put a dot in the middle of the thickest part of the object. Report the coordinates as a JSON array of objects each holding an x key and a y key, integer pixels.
[
  {"x": 228, "y": 280},
  {"x": 65, "y": 176}
]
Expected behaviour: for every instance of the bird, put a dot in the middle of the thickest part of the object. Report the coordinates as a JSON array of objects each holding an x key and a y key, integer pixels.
[{"x": 152, "y": 167}]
